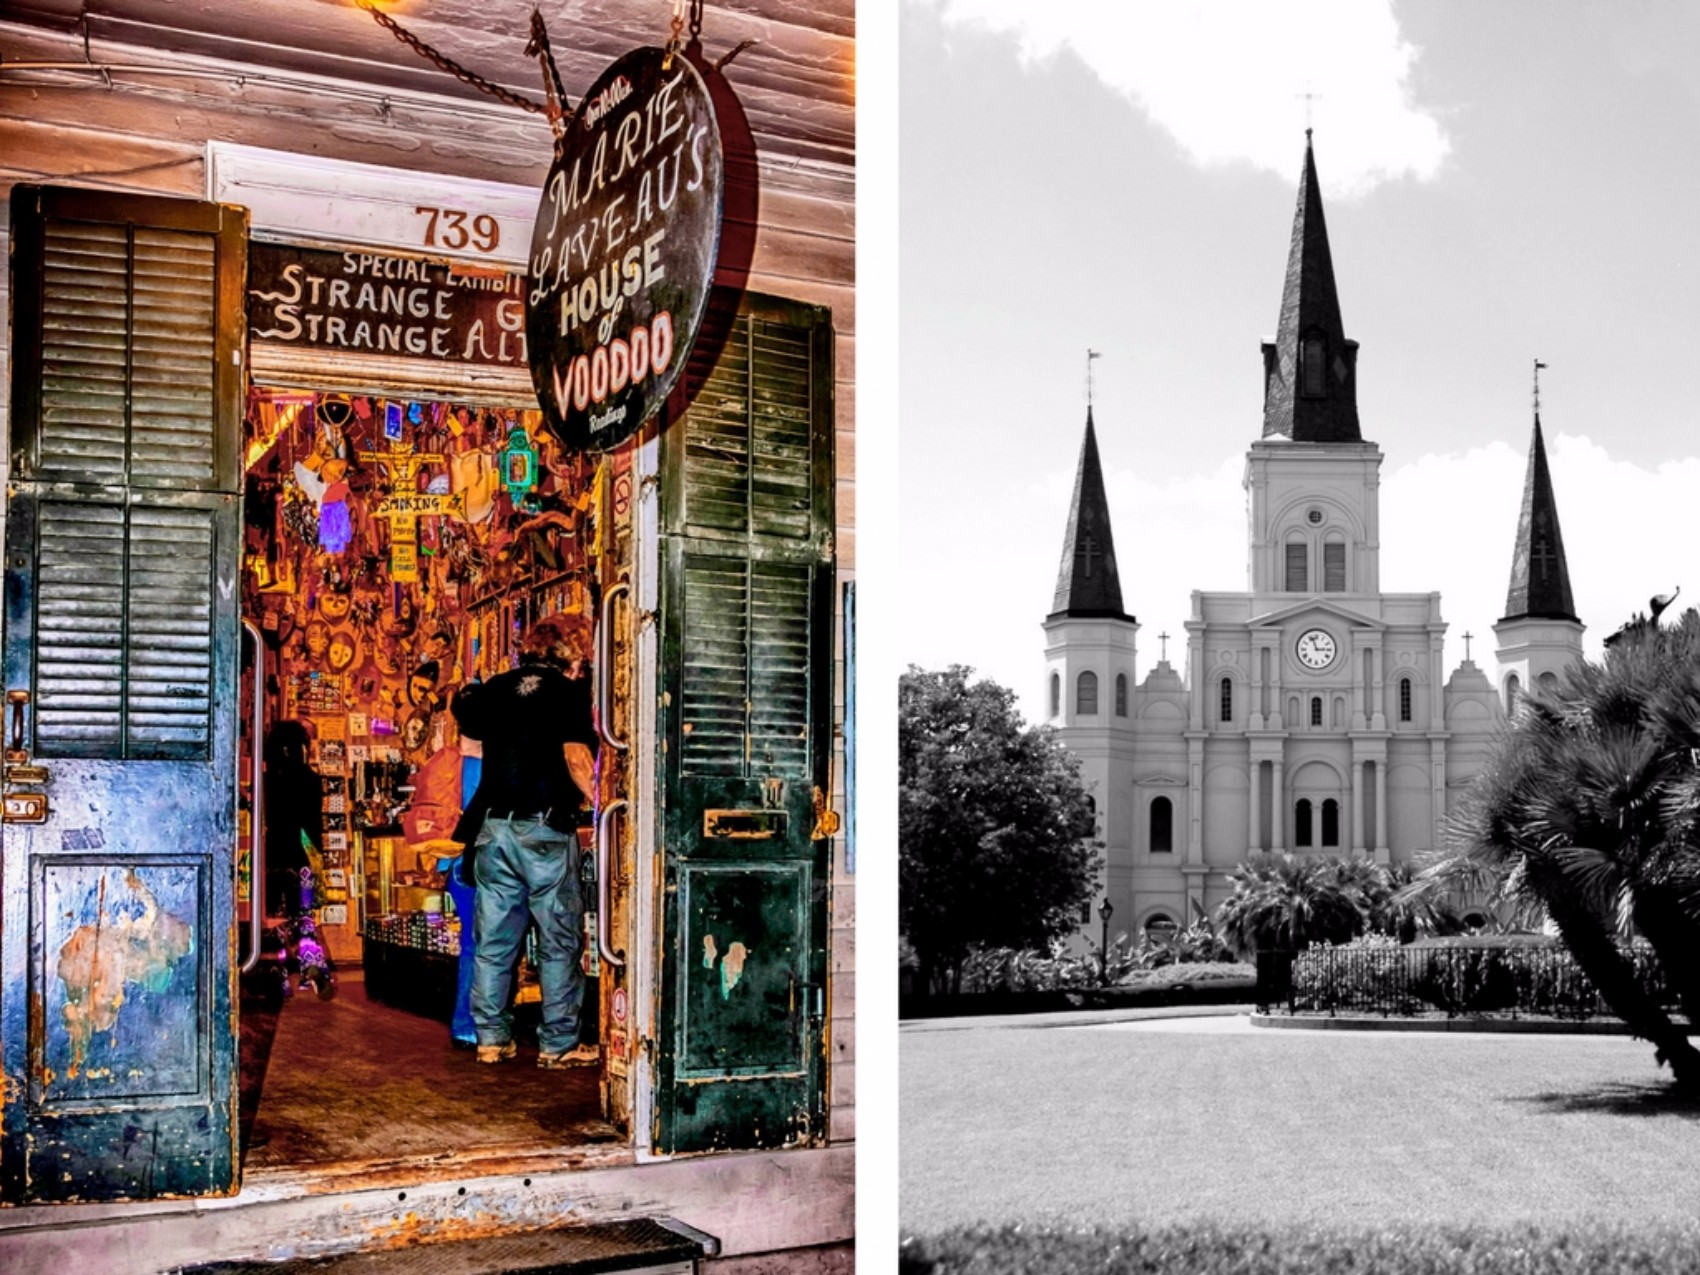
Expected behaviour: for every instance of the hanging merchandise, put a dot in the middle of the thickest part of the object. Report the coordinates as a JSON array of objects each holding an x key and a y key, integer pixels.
[{"x": 519, "y": 468}]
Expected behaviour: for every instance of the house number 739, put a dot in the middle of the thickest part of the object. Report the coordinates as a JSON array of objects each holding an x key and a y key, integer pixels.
[{"x": 454, "y": 229}]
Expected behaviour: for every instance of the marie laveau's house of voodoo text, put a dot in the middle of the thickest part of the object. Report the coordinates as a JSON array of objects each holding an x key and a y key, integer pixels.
[{"x": 284, "y": 443}]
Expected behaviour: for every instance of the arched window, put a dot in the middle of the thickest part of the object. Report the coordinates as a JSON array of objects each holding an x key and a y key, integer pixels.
[
  {"x": 1227, "y": 699},
  {"x": 1316, "y": 710},
  {"x": 1162, "y": 826},
  {"x": 1056, "y": 695},
  {"x": 1547, "y": 681},
  {"x": 1404, "y": 699},
  {"x": 1160, "y": 924},
  {"x": 1513, "y": 692},
  {"x": 1301, "y": 823},
  {"x": 1330, "y": 823},
  {"x": 1121, "y": 694},
  {"x": 1312, "y": 371},
  {"x": 1086, "y": 695}
]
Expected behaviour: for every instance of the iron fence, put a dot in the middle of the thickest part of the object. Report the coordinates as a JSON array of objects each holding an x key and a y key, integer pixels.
[{"x": 1537, "y": 981}]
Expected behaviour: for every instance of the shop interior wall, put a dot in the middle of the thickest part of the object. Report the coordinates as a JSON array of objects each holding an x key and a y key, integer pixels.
[{"x": 149, "y": 135}]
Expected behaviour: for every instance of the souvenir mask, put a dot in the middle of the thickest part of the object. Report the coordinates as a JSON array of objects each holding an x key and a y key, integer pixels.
[
  {"x": 318, "y": 639},
  {"x": 344, "y": 649}
]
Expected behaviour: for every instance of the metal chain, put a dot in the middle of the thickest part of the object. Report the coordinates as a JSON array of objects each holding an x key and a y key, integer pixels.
[{"x": 444, "y": 64}]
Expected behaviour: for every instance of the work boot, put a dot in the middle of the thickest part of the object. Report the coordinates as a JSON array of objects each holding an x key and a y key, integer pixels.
[
  {"x": 577, "y": 1056},
  {"x": 497, "y": 1053}
]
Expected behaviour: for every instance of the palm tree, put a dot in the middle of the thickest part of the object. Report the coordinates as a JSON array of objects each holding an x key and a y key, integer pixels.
[{"x": 1590, "y": 808}]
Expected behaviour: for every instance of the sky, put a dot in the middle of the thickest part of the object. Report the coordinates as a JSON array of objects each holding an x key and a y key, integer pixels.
[{"x": 1501, "y": 183}]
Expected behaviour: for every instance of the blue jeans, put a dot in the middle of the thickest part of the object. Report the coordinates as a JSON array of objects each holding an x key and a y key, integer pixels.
[
  {"x": 527, "y": 871},
  {"x": 460, "y": 1026}
]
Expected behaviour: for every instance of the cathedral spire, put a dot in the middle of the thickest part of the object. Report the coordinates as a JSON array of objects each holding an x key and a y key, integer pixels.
[
  {"x": 1087, "y": 583},
  {"x": 1540, "y": 577},
  {"x": 1310, "y": 369}
]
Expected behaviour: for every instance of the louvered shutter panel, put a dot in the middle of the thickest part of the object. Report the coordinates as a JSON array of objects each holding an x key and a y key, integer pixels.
[
  {"x": 128, "y": 329},
  {"x": 753, "y": 456}
]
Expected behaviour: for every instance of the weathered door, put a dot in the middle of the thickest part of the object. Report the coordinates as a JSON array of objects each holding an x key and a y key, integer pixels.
[
  {"x": 117, "y": 1023},
  {"x": 746, "y": 733}
]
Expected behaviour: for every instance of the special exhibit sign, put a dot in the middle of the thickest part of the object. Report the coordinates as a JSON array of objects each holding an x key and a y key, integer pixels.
[
  {"x": 623, "y": 252},
  {"x": 386, "y": 303}
]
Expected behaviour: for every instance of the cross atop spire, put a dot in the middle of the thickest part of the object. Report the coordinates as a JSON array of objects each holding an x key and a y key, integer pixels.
[
  {"x": 1540, "y": 577},
  {"x": 1310, "y": 369},
  {"x": 1088, "y": 585}
]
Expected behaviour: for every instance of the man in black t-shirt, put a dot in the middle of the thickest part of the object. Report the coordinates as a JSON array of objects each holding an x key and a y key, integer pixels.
[{"x": 520, "y": 834}]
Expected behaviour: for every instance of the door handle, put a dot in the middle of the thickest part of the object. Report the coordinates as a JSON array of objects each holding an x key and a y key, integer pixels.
[
  {"x": 15, "y": 750},
  {"x": 604, "y": 821},
  {"x": 605, "y": 668},
  {"x": 257, "y": 808}
]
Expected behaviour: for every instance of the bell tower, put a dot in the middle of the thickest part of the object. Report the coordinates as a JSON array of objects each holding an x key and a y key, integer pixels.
[{"x": 1311, "y": 480}]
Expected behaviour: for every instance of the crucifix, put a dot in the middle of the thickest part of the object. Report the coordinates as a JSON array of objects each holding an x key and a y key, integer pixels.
[
  {"x": 1467, "y": 638},
  {"x": 1090, "y": 355},
  {"x": 1543, "y": 556},
  {"x": 404, "y": 506},
  {"x": 1088, "y": 551},
  {"x": 1164, "y": 639},
  {"x": 1538, "y": 366},
  {"x": 1308, "y": 97}
]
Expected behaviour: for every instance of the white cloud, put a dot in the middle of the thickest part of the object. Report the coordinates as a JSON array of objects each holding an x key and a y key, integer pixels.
[
  {"x": 1226, "y": 79},
  {"x": 1447, "y": 523}
]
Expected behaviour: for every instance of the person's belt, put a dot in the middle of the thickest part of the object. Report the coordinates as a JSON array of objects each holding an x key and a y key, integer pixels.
[{"x": 521, "y": 816}]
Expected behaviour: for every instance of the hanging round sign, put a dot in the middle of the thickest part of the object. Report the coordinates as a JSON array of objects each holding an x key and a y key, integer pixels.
[{"x": 624, "y": 248}]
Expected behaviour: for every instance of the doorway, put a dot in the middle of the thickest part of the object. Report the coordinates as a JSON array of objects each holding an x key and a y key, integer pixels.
[{"x": 396, "y": 548}]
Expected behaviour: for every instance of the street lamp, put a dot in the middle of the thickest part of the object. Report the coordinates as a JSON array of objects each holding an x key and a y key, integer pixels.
[{"x": 1104, "y": 911}]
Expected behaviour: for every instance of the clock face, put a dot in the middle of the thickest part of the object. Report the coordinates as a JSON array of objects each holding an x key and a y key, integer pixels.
[{"x": 1316, "y": 649}]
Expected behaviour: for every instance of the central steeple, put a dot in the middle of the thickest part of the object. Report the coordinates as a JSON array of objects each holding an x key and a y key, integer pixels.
[{"x": 1310, "y": 369}]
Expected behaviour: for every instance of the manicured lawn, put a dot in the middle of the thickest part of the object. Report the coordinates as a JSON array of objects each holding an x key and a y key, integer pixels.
[{"x": 1129, "y": 1126}]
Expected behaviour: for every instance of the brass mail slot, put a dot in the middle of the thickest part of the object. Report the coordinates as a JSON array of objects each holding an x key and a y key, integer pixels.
[
  {"x": 743, "y": 825},
  {"x": 24, "y": 773},
  {"x": 26, "y": 807}
]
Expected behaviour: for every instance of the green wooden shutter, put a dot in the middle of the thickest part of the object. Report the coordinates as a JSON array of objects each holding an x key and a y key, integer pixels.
[
  {"x": 747, "y": 596},
  {"x": 123, "y": 529}
]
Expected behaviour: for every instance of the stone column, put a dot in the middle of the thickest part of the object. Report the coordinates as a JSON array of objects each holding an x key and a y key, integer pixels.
[
  {"x": 1277, "y": 808},
  {"x": 1195, "y": 801},
  {"x": 1357, "y": 806},
  {"x": 1381, "y": 853},
  {"x": 1254, "y": 825}
]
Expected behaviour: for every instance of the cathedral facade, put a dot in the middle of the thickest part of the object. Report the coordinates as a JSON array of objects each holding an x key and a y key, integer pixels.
[{"x": 1315, "y": 714}]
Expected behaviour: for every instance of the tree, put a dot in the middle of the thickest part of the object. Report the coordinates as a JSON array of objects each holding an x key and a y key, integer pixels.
[
  {"x": 1590, "y": 809},
  {"x": 1287, "y": 902},
  {"x": 995, "y": 829}
]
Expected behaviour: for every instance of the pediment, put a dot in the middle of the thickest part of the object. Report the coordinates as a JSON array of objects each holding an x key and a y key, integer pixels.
[{"x": 1314, "y": 607}]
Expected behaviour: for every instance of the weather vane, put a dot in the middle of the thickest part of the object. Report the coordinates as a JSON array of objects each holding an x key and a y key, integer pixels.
[{"x": 1090, "y": 355}]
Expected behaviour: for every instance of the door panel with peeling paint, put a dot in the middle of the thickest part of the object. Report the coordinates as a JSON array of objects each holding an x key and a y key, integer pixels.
[
  {"x": 746, "y": 726},
  {"x": 117, "y": 1031}
]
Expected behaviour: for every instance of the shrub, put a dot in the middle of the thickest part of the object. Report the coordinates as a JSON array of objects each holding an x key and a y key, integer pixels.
[
  {"x": 1003, "y": 969},
  {"x": 1475, "y": 976},
  {"x": 1196, "y": 945}
]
